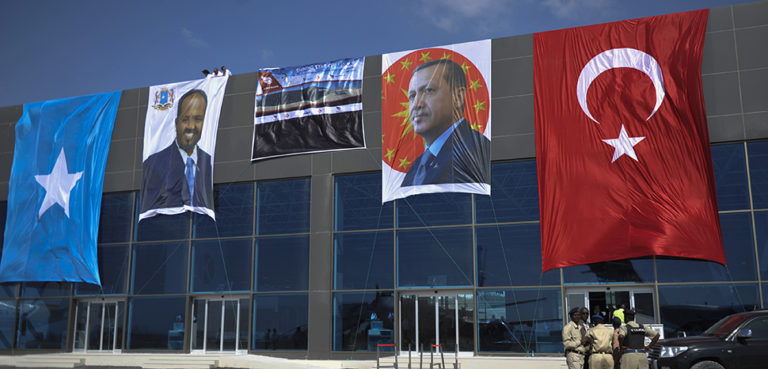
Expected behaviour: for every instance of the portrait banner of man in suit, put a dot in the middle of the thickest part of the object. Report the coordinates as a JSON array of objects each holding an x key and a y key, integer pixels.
[
  {"x": 179, "y": 144},
  {"x": 436, "y": 120}
]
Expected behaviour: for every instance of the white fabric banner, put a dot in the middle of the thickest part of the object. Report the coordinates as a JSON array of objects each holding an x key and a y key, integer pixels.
[{"x": 179, "y": 146}]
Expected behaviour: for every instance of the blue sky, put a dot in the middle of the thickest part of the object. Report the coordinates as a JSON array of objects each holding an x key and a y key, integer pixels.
[{"x": 54, "y": 49}]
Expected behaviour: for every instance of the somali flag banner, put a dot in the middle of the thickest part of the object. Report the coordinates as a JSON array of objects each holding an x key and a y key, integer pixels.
[{"x": 55, "y": 188}]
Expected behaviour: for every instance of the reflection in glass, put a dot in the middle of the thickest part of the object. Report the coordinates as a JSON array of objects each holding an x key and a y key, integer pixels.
[
  {"x": 159, "y": 268},
  {"x": 234, "y": 213},
  {"x": 358, "y": 203},
  {"x": 9, "y": 289},
  {"x": 434, "y": 209},
  {"x": 520, "y": 320},
  {"x": 515, "y": 194},
  {"x": 280, "y": 322},
  {"x": 43, "y": 324},
  {"x": 156, "y": 323},
  {"x": 364, "y": 260},
  {"x": 739, "y": 256},
  {"x": 761, "y": 228},
  {"x": 282, "y": 263},
  {"x": 730, "y": 176},
  {"x": 45, "y": 289},
  {"x": 510, "y": 255},
  {"x": 283, "y": 207},
  {"x": 162, "y": 227},
  {"x": 435, "y": 257},
  {"x": 361, "y": 320},
  {"x": 758, "y": 173},
  {"x": 617, "y": 271},
  {"x": 113, "y": 269},
  {"x": 692, "y": 309},
  {"x": 7, "y": 321},
  {"x": 221, "y": 265},
  {"x": 115, "y": 219}
]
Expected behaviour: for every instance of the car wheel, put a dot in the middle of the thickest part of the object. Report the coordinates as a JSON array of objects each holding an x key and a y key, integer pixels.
[{"x": 707, "y": 365}]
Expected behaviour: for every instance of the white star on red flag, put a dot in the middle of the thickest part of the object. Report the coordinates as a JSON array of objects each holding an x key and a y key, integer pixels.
[{"x": 624, "y": 145}]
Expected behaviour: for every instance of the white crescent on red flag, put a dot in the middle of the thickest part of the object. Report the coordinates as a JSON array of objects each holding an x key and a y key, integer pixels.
[{"x": 622, "y": 147}]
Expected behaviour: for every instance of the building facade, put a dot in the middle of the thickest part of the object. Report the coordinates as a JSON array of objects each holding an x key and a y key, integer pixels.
[{"x": 305, "y": 261}]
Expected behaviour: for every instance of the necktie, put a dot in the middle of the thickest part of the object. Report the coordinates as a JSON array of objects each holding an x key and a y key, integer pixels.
[
  {"x": 427, "y": 161},
  {"x": 190, "y": 174}
]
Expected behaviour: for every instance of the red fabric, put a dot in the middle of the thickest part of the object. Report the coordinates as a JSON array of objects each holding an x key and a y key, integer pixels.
[{"x": 593, "y": 209}]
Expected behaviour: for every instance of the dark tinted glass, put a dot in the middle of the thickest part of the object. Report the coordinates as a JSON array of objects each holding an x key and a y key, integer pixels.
[
  {"x": 358, "y": 203},
  {"x": 761, "y": 226},
  {"x": 364, "y": 260},
  {"x": 234, "y": 213},
  {"x": 362, "y": 320},
  {"x": 7, "y": 321},
  {"x": 113, "y": 269},
  {"x": 617, "y": 271},
  {"x": 514, "y": 194},
  {"x": 739, "y": 254},
  {"x": 283, "y": 207},
  {"x": 221, "y": 265},
  {"x": 510, "y": 255},
  {"x": 162, "y": 227},
  {"x": 434, "y": 209},
  {"x": 435, "y": 257},
  {"x": 282, "y": 263},
  {"x": 43, "y": 289},
  {"x": 518, "y": 320},
  {"x": 43, "y": 324},
  {"x": 116, "y": 217},
  {"x": 9, "y": 289},
  {"x": 758, "y": 173},
  {"x": 730, "y": 176},
  {"x": 156, "y": 323},
  {"x": 159, "y": 268},
  {"x": 692, "y": 309},
  {"x": 280, "y": 322},
  {"x": 3, "y": 213}
]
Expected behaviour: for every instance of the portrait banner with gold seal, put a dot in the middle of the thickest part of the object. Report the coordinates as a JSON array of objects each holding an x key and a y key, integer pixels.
[{"x": 436, "y": 120}]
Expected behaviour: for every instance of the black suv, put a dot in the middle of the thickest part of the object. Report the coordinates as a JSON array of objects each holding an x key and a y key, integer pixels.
[{"x": 738, "y": 341}]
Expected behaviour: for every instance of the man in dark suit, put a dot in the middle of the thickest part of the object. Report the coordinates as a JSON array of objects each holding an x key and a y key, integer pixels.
[
  {"x": 171, "y": 173},
  {"x": 454, "y": 153}
]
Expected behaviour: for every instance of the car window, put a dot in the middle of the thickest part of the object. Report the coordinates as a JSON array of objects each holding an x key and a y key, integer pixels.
[
  {"x": 759, "y": 328},
  {"x": 725, "y": 326}
]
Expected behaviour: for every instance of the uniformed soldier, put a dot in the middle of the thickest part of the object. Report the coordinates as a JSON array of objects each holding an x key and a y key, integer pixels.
[
  {"x": 573, "y": 334},
  {"x": 601, "y": 338},
  {"x": 632, "y": 338}
]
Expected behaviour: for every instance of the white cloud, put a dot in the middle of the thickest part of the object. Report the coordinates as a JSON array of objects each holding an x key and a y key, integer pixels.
[
  {"x": 266, "y": 54},
  {"x": 191, "y": 39},
  {"x": 457, "y": 15},
  {"x": 575, "y": 9}
]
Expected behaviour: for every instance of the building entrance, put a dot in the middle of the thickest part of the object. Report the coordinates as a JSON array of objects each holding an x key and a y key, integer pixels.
[
  {"x": 220, "y": 324},
  {"x": 99, "y": 326},
  {"x": 605, "y": 299},
  {"x": 437, "y": 318}
]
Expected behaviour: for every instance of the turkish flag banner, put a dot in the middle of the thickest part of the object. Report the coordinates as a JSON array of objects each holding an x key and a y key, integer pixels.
[{"x": 622, "y": 148}]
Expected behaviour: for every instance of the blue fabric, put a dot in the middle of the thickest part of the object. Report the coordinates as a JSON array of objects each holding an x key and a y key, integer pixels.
[
  {"x": 190, "y": 174},
  {"x": 55, "y": 189}
]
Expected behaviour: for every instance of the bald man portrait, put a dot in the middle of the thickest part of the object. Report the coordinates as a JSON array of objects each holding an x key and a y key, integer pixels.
[
  {"x": 454, "y": 152},
  {"x": 181, "y": 173}
]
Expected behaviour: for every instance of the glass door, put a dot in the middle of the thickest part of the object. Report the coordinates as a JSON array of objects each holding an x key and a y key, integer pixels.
[
  {"x": 604, "y": 300},
  {"x": 99, "y": 326},
  {"x": 445, "y": 319},
  {"x": 220, "y": 325}
]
